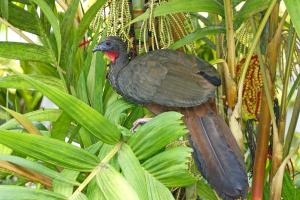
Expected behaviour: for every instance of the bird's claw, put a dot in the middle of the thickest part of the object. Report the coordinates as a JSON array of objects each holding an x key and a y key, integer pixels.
[{"x": 139, "y": 122}]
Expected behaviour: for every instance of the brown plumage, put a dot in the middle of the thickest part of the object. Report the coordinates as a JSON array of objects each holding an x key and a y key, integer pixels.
[{"x": 166, "y": 80}]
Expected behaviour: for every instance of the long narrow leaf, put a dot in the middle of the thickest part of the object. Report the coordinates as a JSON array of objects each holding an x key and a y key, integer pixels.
[
  {"x": 156, "y": 134},
  {"x": 113, "y": 185},
  {"x": 38, "y": 115},
  {"x": 21, "y": 18},
  {"x": 87, "y": 117},
  {"x": 175, "y": 6},
  {"x": 293, "y": 10},
  {"x": 249, "y": 9},
  {"x": 157, "y": 190},
  {"x": 49, "y": 150},
  {"x": 53, "y": 21},
  {"x": 87, "y": 19},
  {"x": 198, "y": 34},
  {"x": 24, "y": 51},
  {"x": 133, "y": 172},
  {"x": 4, "y": 8},
  {"x": 34, "y": 166},
  {"x": 26, "y": 123},
  {"x": 13, "y": 81},
  {"x": 171, "y": 167},
  {"x": 22, "y": 193}
]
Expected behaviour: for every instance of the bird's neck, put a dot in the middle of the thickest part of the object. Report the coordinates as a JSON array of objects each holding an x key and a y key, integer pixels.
[{"x": 115, "y": 67}]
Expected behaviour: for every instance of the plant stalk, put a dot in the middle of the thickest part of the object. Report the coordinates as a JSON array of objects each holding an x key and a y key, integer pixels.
[
  {"x": 96, "y": 170},
  {"x": 230, "y": 37},
  {"x": 293, "y": 123},
  {"x": 284, "y": 103},
  {"x": 19, "y": 32}
]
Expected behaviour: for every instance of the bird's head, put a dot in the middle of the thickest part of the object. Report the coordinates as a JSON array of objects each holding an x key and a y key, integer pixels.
[{"x": 112, "y": 47}]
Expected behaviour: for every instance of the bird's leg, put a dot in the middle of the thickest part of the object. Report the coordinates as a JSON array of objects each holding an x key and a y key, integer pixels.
[{"x": 139, "y": 122}]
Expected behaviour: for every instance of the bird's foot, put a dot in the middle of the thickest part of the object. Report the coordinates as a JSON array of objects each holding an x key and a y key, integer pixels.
[{"x": 139, "y": 122}]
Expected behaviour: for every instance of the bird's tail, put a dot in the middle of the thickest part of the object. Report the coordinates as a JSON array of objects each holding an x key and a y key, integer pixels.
[{"x": 216, "y": 152}]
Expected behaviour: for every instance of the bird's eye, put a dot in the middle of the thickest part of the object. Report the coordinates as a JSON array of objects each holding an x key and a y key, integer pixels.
[{"x": 107, "y": 43}]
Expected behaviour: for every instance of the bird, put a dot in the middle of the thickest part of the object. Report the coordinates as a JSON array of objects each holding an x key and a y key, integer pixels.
[{"x": 168, "y": 80}]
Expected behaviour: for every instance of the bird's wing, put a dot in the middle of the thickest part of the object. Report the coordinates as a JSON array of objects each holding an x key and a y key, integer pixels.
[{"x": 167, "y": 78}]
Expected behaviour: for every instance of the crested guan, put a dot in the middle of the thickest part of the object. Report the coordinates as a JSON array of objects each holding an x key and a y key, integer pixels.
[{"x": 164, "y": 80}]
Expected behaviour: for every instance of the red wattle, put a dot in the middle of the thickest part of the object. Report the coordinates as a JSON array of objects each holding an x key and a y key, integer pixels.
[{"x": 112, "y": 55}]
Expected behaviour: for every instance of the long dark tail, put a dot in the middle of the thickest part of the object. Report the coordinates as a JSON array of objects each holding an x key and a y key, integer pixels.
[{"x": 216, "y": 152}]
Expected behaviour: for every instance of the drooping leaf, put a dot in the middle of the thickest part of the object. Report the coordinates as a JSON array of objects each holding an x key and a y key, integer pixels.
[
  {"x": 37, "y": 115},
  {"x": 87, "y": 117},
  {"x": 34, "y": 166},
  {"x": 22, "y": 193},
  {"x": 175, "y": 6},
  {"x": 107, "y": 180},
  {"x": 198, "y": 34},
  {"x": 249, "y": 9},
  {"x": 24, "y": 51},
  {"x": 49, "y": 150},
  {"x": 26, "y": 123}
]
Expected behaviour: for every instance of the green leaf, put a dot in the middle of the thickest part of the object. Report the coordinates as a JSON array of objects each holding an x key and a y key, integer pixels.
[
  {"x": 115, "y": 111},
  {"x": 22, "y": 19},
  {"x": 38, "y": 115},
  {"x": 293, "y": 10},
  {"x": 171, "y": 167},
  {"x": 94, "y": 192},
  {"x": 61, "y": 126},
  {"x": 204, "y": 191},
  {"x": 87, "y": 19},
  {"x": 22, "y": 193},
  {"x": 133, "y": 171},
  {"x": 156, "y": 189},
  {"x": 198, "y": 34},
  {"x": 13, "y": 81},
  {"x": 62, "y": 187},
  {"x": 289, "y": 191},
  {"x": 87, "y": 117},
  {"x": 95, "y": 81},
  {"x": 53, "y": 21},
  {"x": 24, "y": 51},
  {"x": 113, "y": 185},
  {"x": 175, "y": 6},
  {"x": 68, "y": 32},
  {"x": 249, "y": 9},
  {"x": 4, "y": 8},
  {"x": 26, "y": 123},
  {"x": 294, "y": 88},
  {"x": 156, "y": 134},
  {"x": 34, "y": 166},
  {"x": 49, "y": 150}
]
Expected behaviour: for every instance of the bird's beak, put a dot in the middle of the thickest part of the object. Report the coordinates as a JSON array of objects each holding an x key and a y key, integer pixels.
[{"x": 98, "y": 48}]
